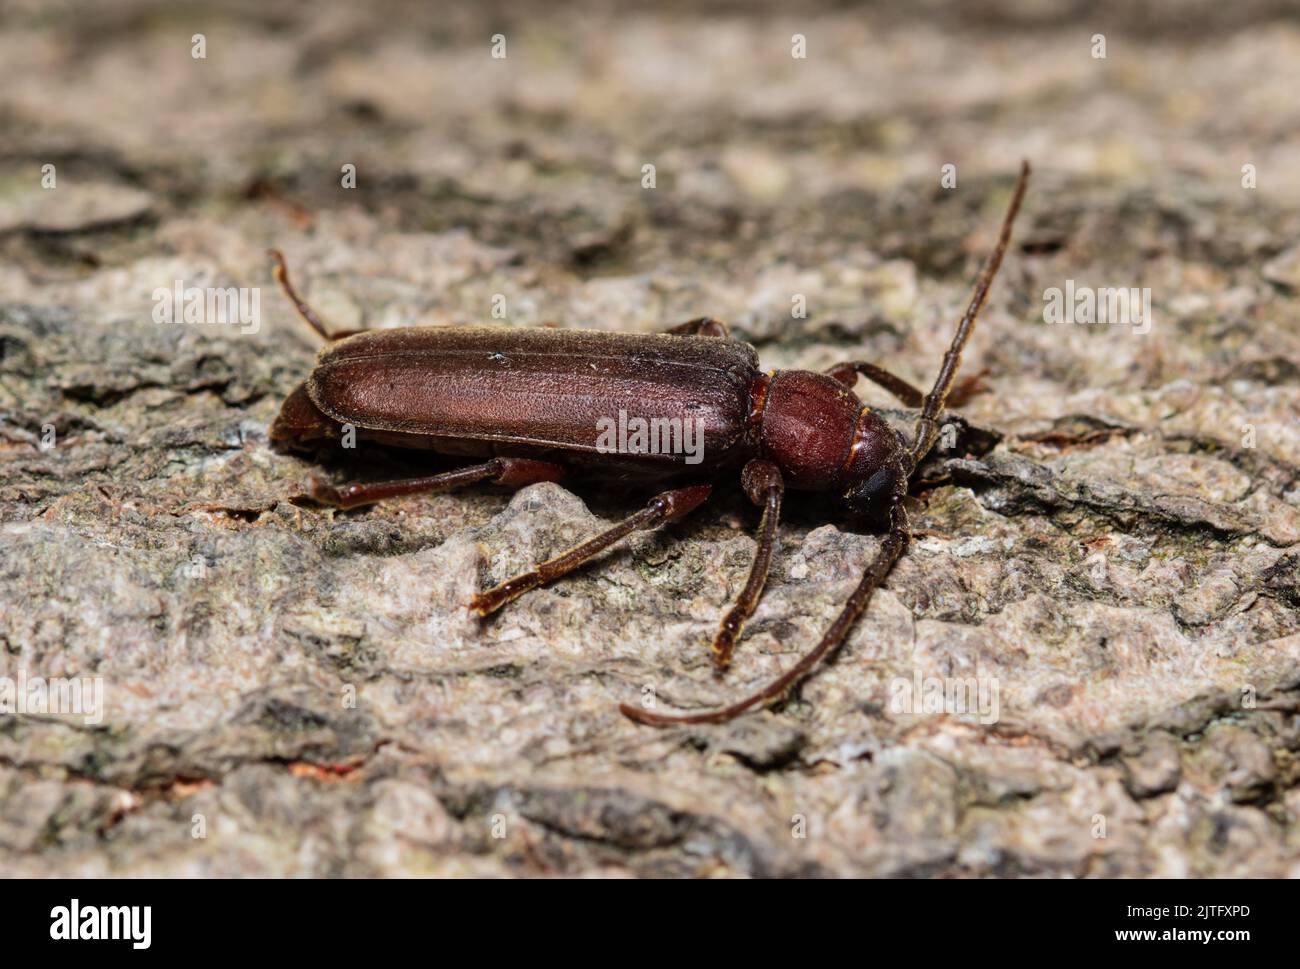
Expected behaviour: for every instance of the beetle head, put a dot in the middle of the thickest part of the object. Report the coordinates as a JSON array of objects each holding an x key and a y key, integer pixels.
[{"x": 877, "y": 471}]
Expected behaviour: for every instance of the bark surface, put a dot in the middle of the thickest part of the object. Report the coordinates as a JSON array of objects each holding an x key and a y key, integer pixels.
[{"x": 1107, "y": 553}]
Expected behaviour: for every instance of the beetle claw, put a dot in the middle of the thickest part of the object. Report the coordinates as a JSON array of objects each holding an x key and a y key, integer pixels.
[{"x": 322, "y": 492}]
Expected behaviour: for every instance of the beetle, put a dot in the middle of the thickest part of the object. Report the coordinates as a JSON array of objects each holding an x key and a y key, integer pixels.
[{"x": 529, "y": 403}]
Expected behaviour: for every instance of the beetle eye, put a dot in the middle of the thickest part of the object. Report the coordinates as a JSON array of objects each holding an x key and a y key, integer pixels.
[{"x": 870, "y": 494}]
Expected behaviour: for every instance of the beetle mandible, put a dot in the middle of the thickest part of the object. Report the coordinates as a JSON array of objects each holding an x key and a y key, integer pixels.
[{"x": 529, "y": 403}]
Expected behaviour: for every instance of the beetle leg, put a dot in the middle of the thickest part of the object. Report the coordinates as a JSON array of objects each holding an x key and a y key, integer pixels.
[
  {"x": 847, "y": 374},
  {"x": 762, "y": 481},
  {"x": 703, "y": 326},
  {"x": 890, "y": 549},
  {"x": 968, "y": 387},
  {"x": 665, "y": 507},
  {"x": 512, "y": 472},
  {"x": 305, "y": 311}
]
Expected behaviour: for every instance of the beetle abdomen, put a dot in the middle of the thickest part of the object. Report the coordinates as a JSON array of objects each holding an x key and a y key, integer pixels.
[{"x": 566, "y": 390}]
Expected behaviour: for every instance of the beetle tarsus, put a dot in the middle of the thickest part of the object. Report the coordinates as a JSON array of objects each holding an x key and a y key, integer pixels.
[
  {"x": 968, "y": 388},
  {"x": 890, "y": 549},
  {"x": 486, "y": 603},
  {"x": 762, "y": 482},
  {"x": 705, "y": 326},
  {"x": 665, "y": 507}
]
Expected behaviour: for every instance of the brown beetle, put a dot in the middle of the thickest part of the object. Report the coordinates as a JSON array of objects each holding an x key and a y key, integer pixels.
[{"x": 530, "y": 403}]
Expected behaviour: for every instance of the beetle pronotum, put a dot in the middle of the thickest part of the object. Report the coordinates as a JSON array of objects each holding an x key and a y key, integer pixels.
[{"x": 530, "y": 403}]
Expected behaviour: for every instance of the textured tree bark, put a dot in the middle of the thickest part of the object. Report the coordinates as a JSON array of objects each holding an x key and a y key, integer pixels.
[{"x": 1088, "y": 663}]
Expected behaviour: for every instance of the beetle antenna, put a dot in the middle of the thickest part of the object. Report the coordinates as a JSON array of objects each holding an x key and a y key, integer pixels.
[
  {"x": 891, "y": 548},
  {"x": 927, "y": 425},
  {"x": 306, "y": 312}
]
